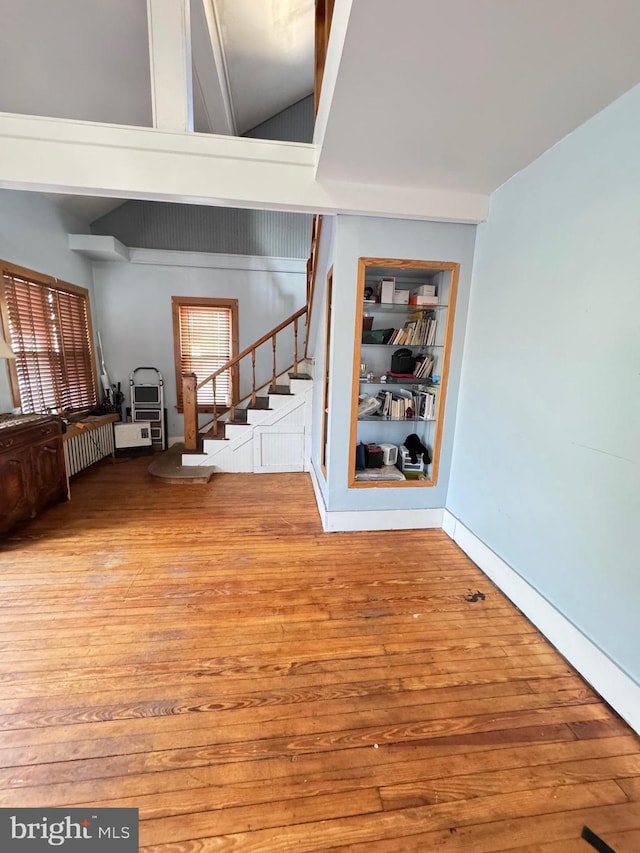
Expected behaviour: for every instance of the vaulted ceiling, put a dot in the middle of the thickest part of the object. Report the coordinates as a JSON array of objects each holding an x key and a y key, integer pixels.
[
  {"x": 90, "y": 60},
  {"x": 427, "y": 107}
]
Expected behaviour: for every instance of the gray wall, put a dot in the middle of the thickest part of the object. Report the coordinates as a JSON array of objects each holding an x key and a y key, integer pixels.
[
  {"x": 33, "y": 234},
  {"x": 197, "y": 228},
  {"x": 388, "y": 238},
  {"x": 547, "y": 453},
  {"x": 295, "y": 124}
]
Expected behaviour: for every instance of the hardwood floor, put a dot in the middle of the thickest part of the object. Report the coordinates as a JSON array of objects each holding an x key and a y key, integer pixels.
[{"x": 206, "y": 654}]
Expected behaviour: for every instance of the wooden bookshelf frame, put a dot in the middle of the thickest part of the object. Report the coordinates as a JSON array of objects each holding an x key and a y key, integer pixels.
[{"x": 427, "y": 266}]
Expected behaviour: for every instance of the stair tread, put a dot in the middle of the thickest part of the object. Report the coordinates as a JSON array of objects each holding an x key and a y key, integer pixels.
[
  {"x": 284, "y": 390},
  {"x": 260, "y": 403},
  {"x": 209, "y": 436},
  {"x": 304, "y": 376},
  {"x": 168, "y": 467}
]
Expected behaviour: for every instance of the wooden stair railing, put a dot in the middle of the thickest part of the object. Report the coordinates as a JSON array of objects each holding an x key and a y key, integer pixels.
[
  {"x": 190, "y": 385},
  {"x": 312, "y": 268}
]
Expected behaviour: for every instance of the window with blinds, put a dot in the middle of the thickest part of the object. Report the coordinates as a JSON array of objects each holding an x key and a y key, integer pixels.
[
  {"x": 48, "y": 326},
  {"x": 205, "y": 338}
]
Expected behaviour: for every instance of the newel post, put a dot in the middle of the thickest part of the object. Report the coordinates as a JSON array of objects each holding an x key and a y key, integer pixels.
[{"x": 190, "y": 411}]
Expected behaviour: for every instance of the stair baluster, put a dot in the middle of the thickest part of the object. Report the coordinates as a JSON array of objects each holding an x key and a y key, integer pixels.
[
  {"x": 253, "y": 377},
  {"x": 274, "y": 371},
  {"x": 295, "y": 347},
  {"x": 190, "y": 396},
  {"x": 215, "y": 406}
]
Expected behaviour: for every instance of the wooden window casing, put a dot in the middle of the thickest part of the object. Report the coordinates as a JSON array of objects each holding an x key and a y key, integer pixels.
[
  {"x": 205, "y": 337},
  {"x": 47, "y": 323}
]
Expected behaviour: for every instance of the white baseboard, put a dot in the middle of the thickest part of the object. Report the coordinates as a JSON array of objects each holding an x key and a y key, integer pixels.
[
  {"x": 612, "y": 683},
  {"x": 322, "y": 509},
  {"x": 351, "y": 521},
  {"x": 340, "y": 521}
]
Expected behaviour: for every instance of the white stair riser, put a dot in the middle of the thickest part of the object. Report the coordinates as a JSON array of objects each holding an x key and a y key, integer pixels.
[
  {"x": 276, "y": 401},
  {"x": 237, "y": 453},
  {"x": 299, "y": 386},
  {"x": 256, "y": 416},
  {"x": 232, "y": 431},
  {"x": 195, "y": 458}
]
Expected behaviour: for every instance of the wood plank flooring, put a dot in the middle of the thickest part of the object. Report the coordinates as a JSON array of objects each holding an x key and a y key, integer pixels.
[{"x": 207, "y": 655}]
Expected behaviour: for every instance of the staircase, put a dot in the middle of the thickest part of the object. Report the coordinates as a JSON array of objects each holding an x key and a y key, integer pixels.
[
  {"x": 271, "y": 434},
  {"x": 270, "y": 430}
]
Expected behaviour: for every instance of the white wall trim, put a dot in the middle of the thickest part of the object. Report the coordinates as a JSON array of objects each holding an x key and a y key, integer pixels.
[
  {"x": 322, "y": 509},
  {"x": 98, "y": 247},
  {"x": 213, "y": 260},
  {"x": 337, "y": 36},
  {"x": 352, "y": 521},
  {"x": 44, "y": 154},
  {"x": 382, "y": 519},
  {"x": 611, "y": 682}
]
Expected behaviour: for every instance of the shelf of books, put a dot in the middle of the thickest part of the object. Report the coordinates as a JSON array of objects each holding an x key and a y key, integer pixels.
[{"x": 403, "y": 336}]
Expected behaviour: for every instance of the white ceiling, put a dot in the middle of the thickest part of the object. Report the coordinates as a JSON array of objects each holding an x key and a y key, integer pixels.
[
  {"x": 452, "y": 95},
  {"x": 89, "y": 59},
  {"x": 461, "y": 95},
  {"x": 76, "y": 59},
  {"x": 268, "y": 47}
]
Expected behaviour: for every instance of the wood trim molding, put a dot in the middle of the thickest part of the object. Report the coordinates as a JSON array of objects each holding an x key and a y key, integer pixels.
[
  {"x": 453, "y": 268},
  {"x": 232, "y": 304}
]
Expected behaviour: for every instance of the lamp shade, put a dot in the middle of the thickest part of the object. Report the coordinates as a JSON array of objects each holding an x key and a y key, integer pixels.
[{"x": 5, "y": 349}]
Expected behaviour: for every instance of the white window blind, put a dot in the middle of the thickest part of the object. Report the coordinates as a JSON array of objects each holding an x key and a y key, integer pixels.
[
  {"x": 50, "y": 333},
  {"x": 205, "y": 344}
]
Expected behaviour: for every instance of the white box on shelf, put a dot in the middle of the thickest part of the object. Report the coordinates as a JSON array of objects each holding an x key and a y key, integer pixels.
[
  {"x": 387, "y": 289},
  {"x": 401, "y": 297},
  {"x": 423, "y": 300},
  {"x": 424, "y": 290}
]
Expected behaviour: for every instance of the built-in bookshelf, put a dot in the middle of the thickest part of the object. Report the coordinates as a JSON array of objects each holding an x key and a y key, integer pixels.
[{"x": 403, "y": 305}]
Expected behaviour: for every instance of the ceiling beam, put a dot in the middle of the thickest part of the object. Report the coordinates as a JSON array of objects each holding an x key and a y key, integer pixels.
[
  {"x": 210, "y": 68},
  {"x": 170, "y": 63},
  {"x": 84, "y": 158}
]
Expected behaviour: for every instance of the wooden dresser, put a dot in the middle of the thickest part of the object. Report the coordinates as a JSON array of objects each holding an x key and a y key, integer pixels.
[{"x": 32, "y": 470}]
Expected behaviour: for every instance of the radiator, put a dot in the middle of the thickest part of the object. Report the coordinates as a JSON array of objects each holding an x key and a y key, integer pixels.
[{"x": 88, "y": 447}]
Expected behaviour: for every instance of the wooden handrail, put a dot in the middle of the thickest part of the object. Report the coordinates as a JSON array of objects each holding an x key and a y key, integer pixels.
[
  {"x": 254, "y": 346},
  {"x": 190, "y": 388}
]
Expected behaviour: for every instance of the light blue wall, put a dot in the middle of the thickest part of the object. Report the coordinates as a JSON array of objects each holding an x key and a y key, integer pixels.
[
  {"x": 547, "y": 451},
  {"x": 134, "y": 307},
  {"x": 33, "y": 234},
  {"x": 388, "y": 238}
]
